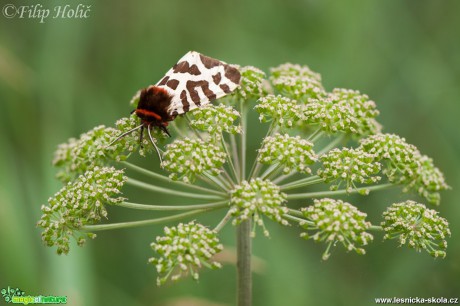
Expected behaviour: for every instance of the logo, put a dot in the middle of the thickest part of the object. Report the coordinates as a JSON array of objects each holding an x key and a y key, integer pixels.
[{"x": 17, "y": 296}]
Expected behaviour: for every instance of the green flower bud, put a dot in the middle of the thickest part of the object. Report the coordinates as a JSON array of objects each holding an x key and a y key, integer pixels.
[
  {"x": 284, "y": 111},
  {"x": 79, "y": 203},
  {"x": 294, "y": 153},
  {"x": 251, "y": 83},
  {"x": 344, "y": 111},
  {"x": 350, "y": 166},
  {"x": 417, "y": 227},
  {"x": 183, "y": 250},
  {"x": 256, "y": 198},
  {"x": 187, "y": 158},
  {"x": 297, "y": 82},
  {"x": 334, "y": 221},
  {"x": 216, "y": 119},
  {"x": 404, "y": 164}
]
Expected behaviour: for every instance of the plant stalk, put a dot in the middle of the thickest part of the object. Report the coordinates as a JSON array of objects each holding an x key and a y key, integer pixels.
[{"x": 243, "y": 264}]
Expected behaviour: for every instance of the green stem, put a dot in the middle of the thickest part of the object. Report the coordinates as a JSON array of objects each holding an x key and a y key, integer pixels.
[
  {"x": 168, "y": 180},
  {"x": 229, "y": 158},
  {"x": 272, "y": 169},
  {"x": 331, "y": 145},
  {"x": 213, "y": 180},
  {"x": 189, "y": 123},
  {"x": 256, "y": 166},
  {"x": 243, "y": 141},
  {"x": 297, "y": 219},
  {"x": 234, "y": 146},
  {"x": 295, "y": 212},
  {"x": 103, "y": 227},
  {"x": 172, "y": 207},
  {"x": 224, "y": 221},
  {"x": 284, "y": 177},
  {"x": 376, "y": 228},
  {"x": 315, "y": 136},
  {"x": 150, "y": 187},
  {"x": 311, "y": 180},
  {"x": 321, "y": 194},
  {"x": 243, "y": 263}
]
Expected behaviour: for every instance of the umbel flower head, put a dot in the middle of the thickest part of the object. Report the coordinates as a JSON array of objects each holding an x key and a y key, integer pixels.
[
  {"x": 80, "y": 203},
  {"x": 256, "y": 198},
  {"x": 293, "y": 153},
  {"x": 351, "y": 166},
  {"x": 215, "y": 120},
  {"x": 92, "y": 148},
  {"x": 283, "y": 111},
  {"x": 335, "y": 221},
  {"x": 298, "y": 158},
  {"x": 187, "y": 158},
  {"x": 183, "y": 250},
  {"x": 343, "y": 110},
  {"x": 416, "y": 226},
  {"x": 251, "y": 83},
  {"x": 404, "y": 164},
  {"x": 297, "y": 82}
]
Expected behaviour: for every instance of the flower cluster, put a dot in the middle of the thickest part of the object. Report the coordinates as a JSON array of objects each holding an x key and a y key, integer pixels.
[
  {"x": 78, "y": 155},
  {"x": 429, "y": 180},
  {"x": 283, "y": 111},
  {"x": 97, "y": 147},
  {"x": 417, "y": 226},
  {"x": 80, "y": 203},
  {"x": 251, "y": 84},
  {"x": 187, "y": 158},
  {"x": 404, "y": 164},
  {"x": 255, "y": 198},
  {"x": 350, "y": 166},
  {"x": 335, "y": 221},
  {"x": 297, "y": 82},
  {"x": 344, "y": 111},
  {"x": 215, "y": 120},
  {"x": 183, "y": 250},
  {"x": 293, "y": 153}
]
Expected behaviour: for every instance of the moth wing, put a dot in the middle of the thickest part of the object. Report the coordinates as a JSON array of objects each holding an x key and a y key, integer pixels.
[{"x": 197, "y": 80}]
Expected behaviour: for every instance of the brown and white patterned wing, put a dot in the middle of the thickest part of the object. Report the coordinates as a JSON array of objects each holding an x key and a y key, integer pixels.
[{"x": 197, "y": 80}]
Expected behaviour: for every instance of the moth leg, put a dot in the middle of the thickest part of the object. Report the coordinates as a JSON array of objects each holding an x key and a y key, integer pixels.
[
  {"x": 140, "y": 137},
  {"x": 124, "y": 134},
  {"x": 164, "y": 129},
  {"x": 153, "y": 143}
]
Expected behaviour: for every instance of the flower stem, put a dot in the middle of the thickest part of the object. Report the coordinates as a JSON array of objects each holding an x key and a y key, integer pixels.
[
  {"x": 243, "y": 141},
  {"x": 224, "y": 221},
  {"x": 321, "y": 194},
  {"x": 229, "y": 158},
  {"x": 315, "y": 136},
  {"x": 168, "y": 180},
  {"x": 302, "y": 182},
  {"x": 331, "y": 145},
  {"x": 150, "y": 187},
  {"x": 244, "y": 252},
  {"x": 234, "y": 146},
  {"x": 297, "y": 219},
  {"x": 376, "y": 228},
  {"x": 172, "y": 207},
  {"x": 103, "y": 227}
]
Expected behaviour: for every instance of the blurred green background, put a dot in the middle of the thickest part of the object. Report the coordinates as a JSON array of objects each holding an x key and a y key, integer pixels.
[{"x": 64, "y": 76}]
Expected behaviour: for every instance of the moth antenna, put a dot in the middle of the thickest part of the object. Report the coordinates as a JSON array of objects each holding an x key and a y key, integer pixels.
[
  {"x": 156, "y": 148},
  {"x": 124, "y": 134}
]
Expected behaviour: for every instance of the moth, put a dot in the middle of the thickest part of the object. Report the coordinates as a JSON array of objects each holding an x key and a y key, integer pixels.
[{"x": 195, "y": 80}]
